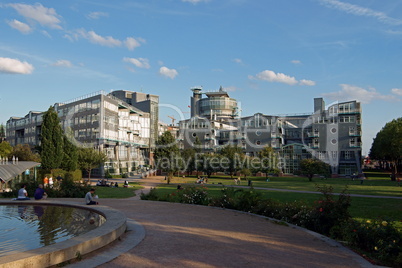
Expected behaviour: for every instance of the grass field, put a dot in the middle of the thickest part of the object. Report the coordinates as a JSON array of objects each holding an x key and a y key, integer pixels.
[
  {"x": 363, "y": 208},
  {"x": 375, "y": 184},
  {"x": 119, "y": 192}
]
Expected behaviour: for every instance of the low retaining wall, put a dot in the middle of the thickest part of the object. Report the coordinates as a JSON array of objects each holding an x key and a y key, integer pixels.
[{"x": 108, "y": 232}]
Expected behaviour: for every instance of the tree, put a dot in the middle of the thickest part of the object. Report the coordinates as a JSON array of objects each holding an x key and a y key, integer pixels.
[
  {"x": 188, "y": 157},
  {"x": 197, "y": 145},
  {"x": 167, "y": 154},
  {"x": 5, "y": 149},
  {"x": 2, "y": 133},
  {"x": 232, "y": 158},
  {"x": 70, "y": 155},
  {"x": 51, "y": 140},
  {"x": 268, "y": 160},
  {"x": 24, "y": 153},
  {"x": 387, "y": 145},
  {"x": 311, "y": 166},
  {"x": 210, "y": 163},
  {"x": 89, "y": 158}
]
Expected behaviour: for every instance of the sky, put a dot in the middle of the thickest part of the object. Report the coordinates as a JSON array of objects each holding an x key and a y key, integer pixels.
[{"x": 274, "y": 57}]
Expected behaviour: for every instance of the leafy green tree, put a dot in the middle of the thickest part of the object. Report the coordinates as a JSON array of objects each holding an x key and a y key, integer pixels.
[
  {"x": 70, "y": 155},
  {"x": 387, "y": 145},
  {"x": 233, "y": 159},
  {"x": 197, "y": 145},
  {"x": 89, "y": 158},
  {"x": 210, "y": 163},
  {"x": 167, "y": 154},
  {"x": 5, "y": 149},
  {"x": 311, "y": 166},
  {"x": 24, "y": 153},
  {"x": 2, "y": 133},
  {"x": 188, "y": 160},
  {"x": 246, "y": 172},
  {"x": 269, "y": 160},
  {"x": 51, "y": 140}
]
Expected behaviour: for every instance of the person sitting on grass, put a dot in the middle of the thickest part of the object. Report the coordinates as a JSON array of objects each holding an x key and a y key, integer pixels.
[
  {"x": 40, "y": 193},
  {"x": 23, "y": 194},
  {"x": 89, "y": 199}
]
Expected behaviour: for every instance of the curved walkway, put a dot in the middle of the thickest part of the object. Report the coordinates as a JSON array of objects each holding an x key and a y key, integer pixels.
[{"x": 181, "y": 235}]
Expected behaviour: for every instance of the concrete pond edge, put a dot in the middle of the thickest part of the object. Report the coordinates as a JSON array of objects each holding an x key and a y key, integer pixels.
[{"x": 114, "y": 227}]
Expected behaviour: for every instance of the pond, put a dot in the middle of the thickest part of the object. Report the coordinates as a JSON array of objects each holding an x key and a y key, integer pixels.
[{"x": 26, "y": 227}]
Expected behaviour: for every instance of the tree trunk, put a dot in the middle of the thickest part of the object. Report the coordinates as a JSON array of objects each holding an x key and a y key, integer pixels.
[{"x": 89, "y": 176}]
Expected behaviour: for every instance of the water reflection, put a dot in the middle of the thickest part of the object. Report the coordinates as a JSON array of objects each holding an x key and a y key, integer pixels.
[{"x": 27, "y": 227}]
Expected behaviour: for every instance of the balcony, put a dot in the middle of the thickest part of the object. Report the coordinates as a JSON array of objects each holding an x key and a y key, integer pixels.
[
  {"x": 313, "y": 134},
  {"x": 355, "y": 133},
  {"x": 314, "y": 145},
  {"x": 275, "y": 135},
  {"x": 355, "y": 145},
  {"x": 349, "y": 111}
]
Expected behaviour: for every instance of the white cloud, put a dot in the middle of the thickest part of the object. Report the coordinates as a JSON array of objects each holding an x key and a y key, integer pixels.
[
  {"x": 295, "y": 62},
  {"x": 165, "y": 71},
  {"x": 13, "y": 66},
  {"x": 271, "y": 76},
  {"x": 63, "y": 63},
  {"x": 360, "y": 11},
  {"x": 350, "y": 92},
  {"x": 132, "y": 43},
  {"x": 45, "y": 33},
  {"x": 97, "y": 15},
  {"x": 20, "y": 26},
  {"x": 194, "y": 1},
  {"x": 230, "y": 88},
  {"x": 69, "y": 37},
  {"x": 397, "y": 91},
  {"x": 140, "y": 62},
  {"x": 238, "y": 61},
  {"x": 305, "y": 82},
  {"x": 43, "y": 15},
  {"x": 98, "y": 39},
  {"x": 109, "y": 41}
]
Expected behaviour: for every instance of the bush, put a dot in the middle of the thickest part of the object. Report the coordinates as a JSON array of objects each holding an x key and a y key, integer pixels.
[
  {"x": 379, "y": 239},
  {"x": 328, "y": 213},
  {"x": 76, "y": 174},
  {"x": 152, "y": 195},
  {"x": 190, "y": 195}
]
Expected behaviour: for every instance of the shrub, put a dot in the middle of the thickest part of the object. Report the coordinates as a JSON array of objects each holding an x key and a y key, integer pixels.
[
  {"x": 328, "y": 213},
  {"x": 190, "y": 195},
  {"x": 379, "y": 238},
  {"x": 152, "y": 195}
]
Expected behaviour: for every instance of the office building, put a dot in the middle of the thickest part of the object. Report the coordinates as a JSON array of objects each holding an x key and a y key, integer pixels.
[
  {"x": 99, "y": 120},
  {"x": 331, "y": 134}
]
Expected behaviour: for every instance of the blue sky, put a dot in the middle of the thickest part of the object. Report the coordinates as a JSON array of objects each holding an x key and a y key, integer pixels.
[{"x": 274, "y": 57}]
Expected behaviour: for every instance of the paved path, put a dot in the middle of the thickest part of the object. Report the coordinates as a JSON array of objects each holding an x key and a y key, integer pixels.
[{"x": 180, "y": 235}]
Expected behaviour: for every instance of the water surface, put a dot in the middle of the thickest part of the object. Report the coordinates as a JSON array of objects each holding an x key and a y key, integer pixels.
[{"x": 26, "y": 227}]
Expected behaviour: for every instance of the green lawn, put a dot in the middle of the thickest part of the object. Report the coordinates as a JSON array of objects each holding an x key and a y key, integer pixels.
[
  {"x": 119, "y": 192},
  {"x": 362, "y": 208},
  {"x": 376, "y": 183}
]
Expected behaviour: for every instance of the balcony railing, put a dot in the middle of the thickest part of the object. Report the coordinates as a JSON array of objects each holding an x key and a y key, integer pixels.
[
  {"x": 313, "y": 134},
  {"x": 349, "y": 111},
  {"x": 355, "y": 145},
  {"x": 355, "y": 133},
  {"x": 314, "y": 145}
]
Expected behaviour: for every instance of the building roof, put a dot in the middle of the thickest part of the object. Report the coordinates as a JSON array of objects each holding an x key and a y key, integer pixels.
[{"x": 9, "y": 171}]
